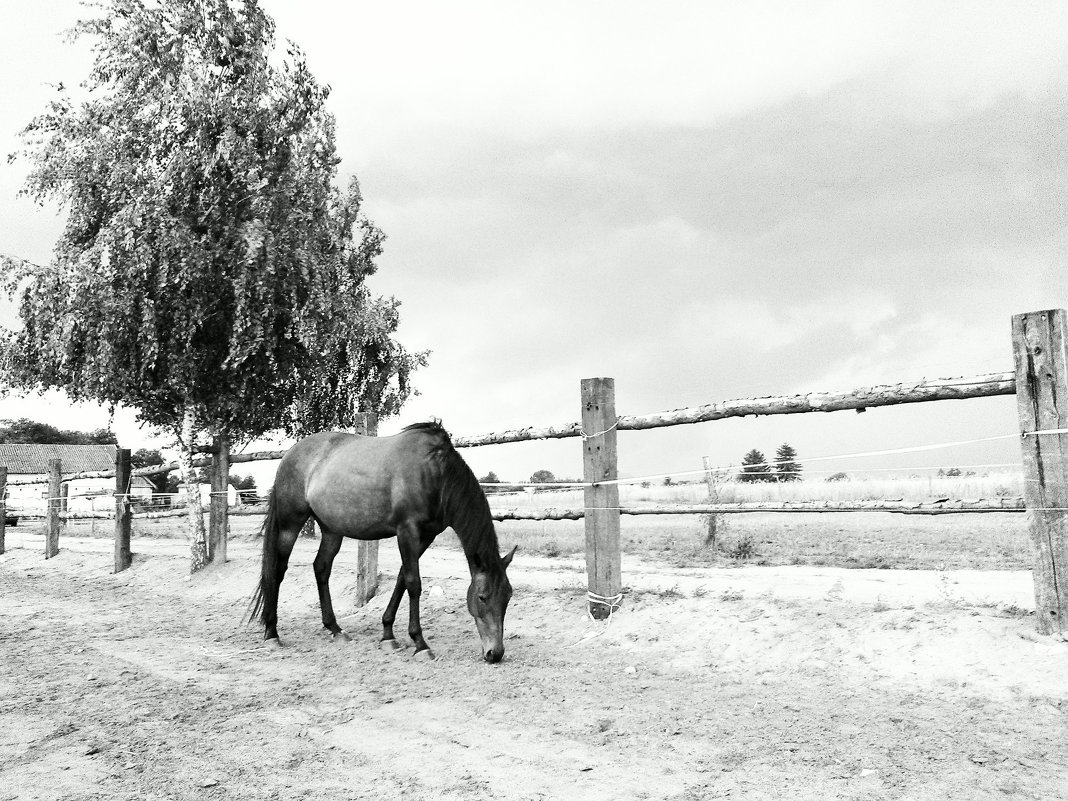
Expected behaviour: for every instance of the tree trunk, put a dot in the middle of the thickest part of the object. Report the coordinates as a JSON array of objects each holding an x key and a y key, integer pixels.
[{"x": 199, "y": 547}]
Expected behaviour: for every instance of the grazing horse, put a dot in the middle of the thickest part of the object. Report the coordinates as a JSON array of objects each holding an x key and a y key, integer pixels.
[{"x": 410, "y": 485}]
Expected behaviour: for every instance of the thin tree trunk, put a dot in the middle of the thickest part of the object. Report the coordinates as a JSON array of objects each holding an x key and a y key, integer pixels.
[{"x": 199, "y": 548}]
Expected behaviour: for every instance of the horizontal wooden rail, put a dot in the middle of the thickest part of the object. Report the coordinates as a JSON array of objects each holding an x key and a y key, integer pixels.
[{"x": 981, "y": 386}]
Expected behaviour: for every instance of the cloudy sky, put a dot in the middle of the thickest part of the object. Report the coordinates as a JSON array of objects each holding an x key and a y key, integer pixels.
[{"x": 702, "y": 200}]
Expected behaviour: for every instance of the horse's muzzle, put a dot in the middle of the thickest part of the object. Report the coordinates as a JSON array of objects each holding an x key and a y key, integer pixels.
[{"x": 493, "y": 655}]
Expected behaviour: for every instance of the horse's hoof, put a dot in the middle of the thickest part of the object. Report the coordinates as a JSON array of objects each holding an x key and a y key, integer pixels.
[
  {"x": 426, "y": 655},
  {"x": 341, "y": 637},
  {"x": 389, "y": 646},
  {"x": 273, "y": 644}
]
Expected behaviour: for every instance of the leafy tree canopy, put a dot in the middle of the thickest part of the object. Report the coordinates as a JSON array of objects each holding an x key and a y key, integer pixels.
[
  {"x": 25, "y": 430},
  {"x": 210, "y": 273},
  {"x": 542, "y": 477}
]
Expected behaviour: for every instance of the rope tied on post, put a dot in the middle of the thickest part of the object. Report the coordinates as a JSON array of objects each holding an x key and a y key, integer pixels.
[
  {"x": 613, "y": 602},
  {"x": 586, "y": 436}
]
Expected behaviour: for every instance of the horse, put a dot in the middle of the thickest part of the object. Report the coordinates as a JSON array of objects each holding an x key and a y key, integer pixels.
[{"x": 411, "y": 485}]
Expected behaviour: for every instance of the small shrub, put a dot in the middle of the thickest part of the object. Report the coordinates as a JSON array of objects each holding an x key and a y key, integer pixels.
[{"x": 743, "y": 548}]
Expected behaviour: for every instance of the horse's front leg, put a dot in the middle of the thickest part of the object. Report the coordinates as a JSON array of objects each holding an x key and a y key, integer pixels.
[
  {"x": 412, "y": 547},
  {"x": 389, "y": 641}
]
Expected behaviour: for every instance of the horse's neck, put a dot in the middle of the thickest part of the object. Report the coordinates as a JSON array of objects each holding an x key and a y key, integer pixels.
[{"x": 479, "y": 541}]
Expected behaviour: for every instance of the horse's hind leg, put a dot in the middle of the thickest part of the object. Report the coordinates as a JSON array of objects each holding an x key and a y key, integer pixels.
[
  {"x": 329, "y": 545},
  {"x": 287, "y": 538}
]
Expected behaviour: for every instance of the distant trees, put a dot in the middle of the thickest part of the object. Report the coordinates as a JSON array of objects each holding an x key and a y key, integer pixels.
[
  {"x": 26, "y": 431},
  {"x": 542, "y": 477},
  {"x": 246, "y": 487},
  {"x": 149, "y": 457},
  {"x": 756, "y": 468},
  {"x": 491, "y": 478}
]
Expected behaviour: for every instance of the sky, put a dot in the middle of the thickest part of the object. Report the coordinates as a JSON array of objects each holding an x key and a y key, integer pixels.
[{"x": 701, "y": 200}]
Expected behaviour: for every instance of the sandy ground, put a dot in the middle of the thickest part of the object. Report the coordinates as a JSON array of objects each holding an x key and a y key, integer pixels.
[{"x": 752, "y": 682}]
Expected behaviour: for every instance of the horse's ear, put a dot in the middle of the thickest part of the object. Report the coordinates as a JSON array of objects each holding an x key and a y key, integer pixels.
[{"x": 507, "y": 560}]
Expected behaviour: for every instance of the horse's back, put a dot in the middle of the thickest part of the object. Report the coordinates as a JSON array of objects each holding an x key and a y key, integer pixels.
[{"x": 359, "y": 486}]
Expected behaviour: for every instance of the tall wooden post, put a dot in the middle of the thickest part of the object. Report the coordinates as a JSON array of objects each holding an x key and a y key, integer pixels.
[
  {"x": 1041, "y": 354},
  {"x": 3, "y": 506},
  {"x": 219, "y": 505},
  {"x": 123, "y": 515},
  {"x": 599, "y": 463},
  {"x": 366, "y": 550},
  {"x": 55, "y": 488}
]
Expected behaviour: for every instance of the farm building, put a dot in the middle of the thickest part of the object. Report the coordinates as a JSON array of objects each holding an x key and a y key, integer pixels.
[{"x": 30, "y": 461}]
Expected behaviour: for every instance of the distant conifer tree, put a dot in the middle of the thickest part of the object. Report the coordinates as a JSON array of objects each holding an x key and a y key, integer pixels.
[
  {"x": 786, "y": 466},
  {"x": 755, "y": 468}
]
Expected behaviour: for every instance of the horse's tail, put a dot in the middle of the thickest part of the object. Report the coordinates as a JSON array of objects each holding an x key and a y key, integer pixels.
[{"x": 268, "y": 586}]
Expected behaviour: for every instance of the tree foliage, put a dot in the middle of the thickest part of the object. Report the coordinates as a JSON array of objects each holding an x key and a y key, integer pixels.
[
  {"x": 209, "y": 266},
  {"x": 542, "y": 477},
  {"x": 210, "y": 274},
  {"x": 25, "y": 430},
  {"x": 787, "y": 467},
  {"x": 755, "y": 468}
]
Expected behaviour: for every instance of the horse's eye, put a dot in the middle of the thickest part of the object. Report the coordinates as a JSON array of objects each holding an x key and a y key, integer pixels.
[{"x": 483, "y": 598}]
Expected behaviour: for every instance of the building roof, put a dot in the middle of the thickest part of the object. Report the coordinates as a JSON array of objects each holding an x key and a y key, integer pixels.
[{"x": 23, "y": 459}]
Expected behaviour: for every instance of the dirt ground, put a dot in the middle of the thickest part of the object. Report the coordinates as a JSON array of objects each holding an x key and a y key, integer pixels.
[{"x": 751, "y": 682}]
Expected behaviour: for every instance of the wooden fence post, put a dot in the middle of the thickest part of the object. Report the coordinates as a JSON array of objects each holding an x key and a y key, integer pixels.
[
  {"x": 219, "y": 504},
  {"x": 54, "y": 500},
  {"x": 713, "y": 497},
  {"x": 123, "y": 515},
  {"x": 599, "y": 463},
  {"x": 366, "y": 550},
  {"x": 1041, "y": 355},
  {"x": 3, "y": 506}
]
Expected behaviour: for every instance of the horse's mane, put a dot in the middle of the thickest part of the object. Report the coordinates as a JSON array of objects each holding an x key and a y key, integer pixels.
[
  {"x": 428, "y": 425},
  {"x": 463, "y": 503}
]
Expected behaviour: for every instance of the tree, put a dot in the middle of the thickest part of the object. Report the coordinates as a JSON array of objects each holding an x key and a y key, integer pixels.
[
  {"x": 210, "y": 274},
  {"x": 145, "y": 457},
  {"x": 786, "y": 466},
  {"x": 246, "y": 487},
  {"x": 28, "y": 431},
  {"x": 755, "y": 468},
  {"x": 490, "y": 478},
  {"x": 542, "y": 477}
]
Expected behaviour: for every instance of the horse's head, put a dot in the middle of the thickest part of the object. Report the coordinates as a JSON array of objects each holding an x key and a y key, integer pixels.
[{"x": 487, "y": 601}]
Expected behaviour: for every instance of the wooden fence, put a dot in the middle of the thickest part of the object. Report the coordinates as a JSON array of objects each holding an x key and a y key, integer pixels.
[{"x": 1040, "y": 383}]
